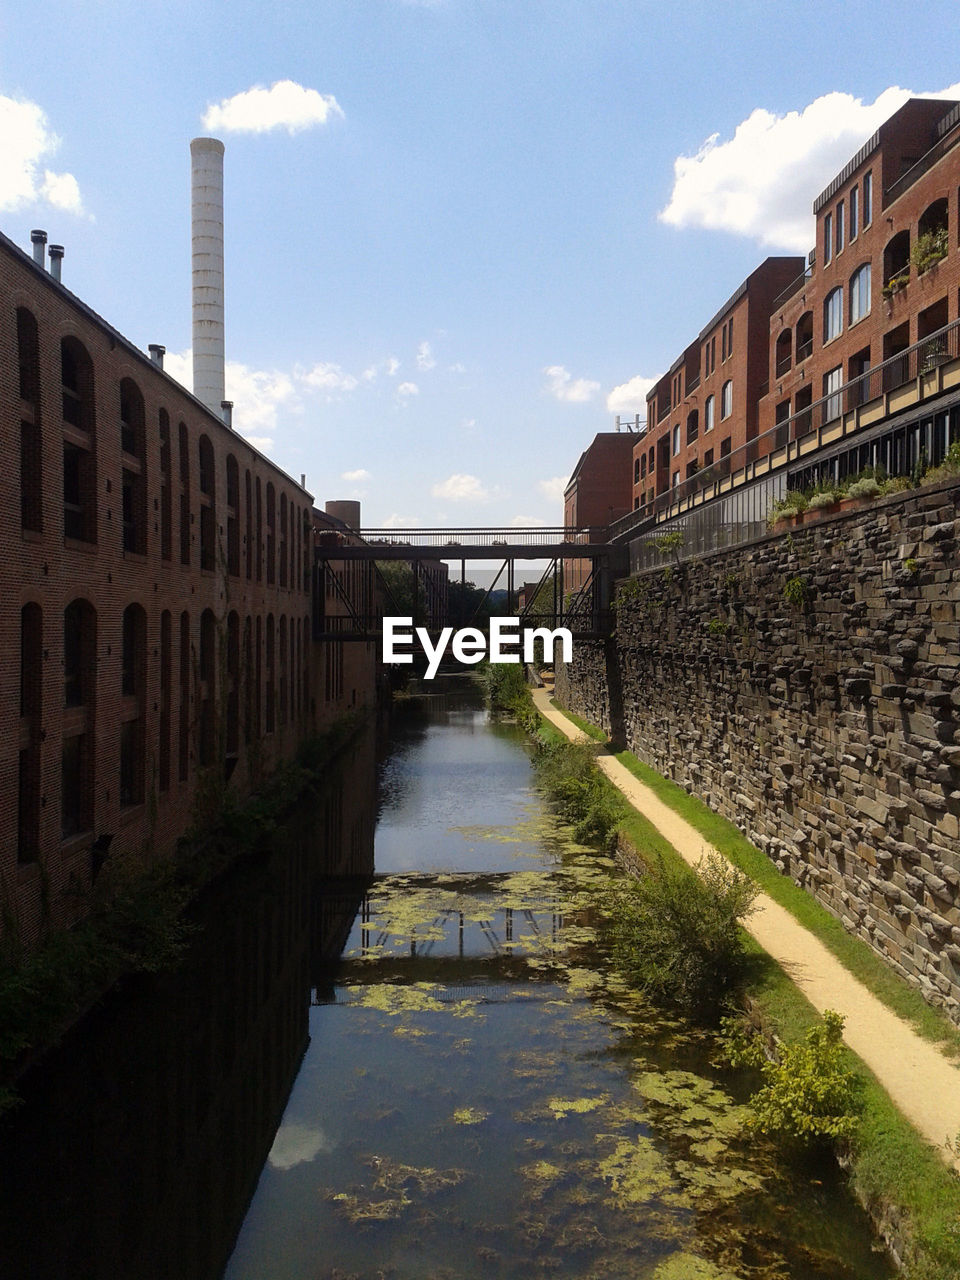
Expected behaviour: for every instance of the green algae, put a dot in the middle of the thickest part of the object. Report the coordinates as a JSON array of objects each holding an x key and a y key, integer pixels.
[
  {"x": 635, "y": 1172},
  {"x": 688, "y": 1266},
  {"x": 469, "y": 1115},
  {"x": 560, "y": 1108}
]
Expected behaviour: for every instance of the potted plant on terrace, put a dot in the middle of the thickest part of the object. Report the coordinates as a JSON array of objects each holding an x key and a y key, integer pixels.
[{"x": 787, "y": 511}]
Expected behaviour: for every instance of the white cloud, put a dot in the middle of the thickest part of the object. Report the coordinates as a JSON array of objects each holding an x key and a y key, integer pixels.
[
  {"x": 630, "y": 397},
  {"x": 27, "y": 140},
  {"x": 355, "y": 476},
  {"x": 762, "y": 182},
  {"x": 553, "y": 489},
  {"x": 408, "y": 389},
  {"x": 460, "y": 488},
  {"x": 393, "y": 364},
  {"x": 527, "y": 522},
  {"x": 562, "y": 385},
  {"x": 396, "y": 521},
  {"x": 257, "y": 394},
  {"x": 425, "y": 358},
  {"x": 328, "y": 377},
  {"x": 285, "y": 105}
]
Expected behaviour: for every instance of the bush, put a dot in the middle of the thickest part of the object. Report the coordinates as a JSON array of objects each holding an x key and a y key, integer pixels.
[
  {"x": 676, "y": 934},
  {"x": 568, "y": 773},
  {"x": 791, "y": 504},
  {"x": 809, "y": 1095},
  {"x": 824, "y": 498},
  {"x": 868, "y": 487}
]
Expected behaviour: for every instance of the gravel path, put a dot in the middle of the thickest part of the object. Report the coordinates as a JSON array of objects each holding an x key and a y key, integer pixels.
[{"x": 915, "y": 1074}]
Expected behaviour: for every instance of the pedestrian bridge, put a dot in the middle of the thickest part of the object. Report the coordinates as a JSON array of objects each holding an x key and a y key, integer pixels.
[{"x": 567, "y": 594}]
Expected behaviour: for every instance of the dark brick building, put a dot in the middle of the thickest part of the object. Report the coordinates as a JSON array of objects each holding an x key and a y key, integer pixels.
[{"x": 155, "y": 611}]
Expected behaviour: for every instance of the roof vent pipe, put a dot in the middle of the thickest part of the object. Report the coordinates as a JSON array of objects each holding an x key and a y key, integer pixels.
[
  {"x": 206, "y": 184},
  {"x": 226, "y": 410},
  {"x": 157, "y": 353},
  {"x": 56, "y": 257},
  {"x": 39, "y": 239}
]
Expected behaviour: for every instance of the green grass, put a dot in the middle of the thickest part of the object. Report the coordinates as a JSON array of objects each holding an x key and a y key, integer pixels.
[
  {"x": 589, "y": 729},
  {"x": 895, "y": 1172},
  {"x": 854, "y": 954}
]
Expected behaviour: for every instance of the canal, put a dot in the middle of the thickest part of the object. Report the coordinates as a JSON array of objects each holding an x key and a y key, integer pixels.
[{"x": 396, "y": 1049}]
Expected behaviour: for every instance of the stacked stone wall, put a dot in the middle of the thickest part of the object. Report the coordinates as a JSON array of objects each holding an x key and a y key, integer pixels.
[{"x": 807, "y": 687}]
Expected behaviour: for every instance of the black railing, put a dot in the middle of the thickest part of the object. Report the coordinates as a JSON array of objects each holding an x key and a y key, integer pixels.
[{"x": 897, "y": 371}]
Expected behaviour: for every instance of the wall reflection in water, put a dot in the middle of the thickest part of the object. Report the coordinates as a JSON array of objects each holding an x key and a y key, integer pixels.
[{"x": 141, "y": 1138}]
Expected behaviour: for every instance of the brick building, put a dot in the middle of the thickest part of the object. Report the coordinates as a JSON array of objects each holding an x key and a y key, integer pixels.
[
  {"x": 155, "y": 612},
  {"x": 814, "y": 370},
  {"x": 597, "y": 493},
  {"x": 706, "y": 405}
]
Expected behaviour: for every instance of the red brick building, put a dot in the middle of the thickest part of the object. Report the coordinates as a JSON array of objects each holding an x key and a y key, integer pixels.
[
  {"x": 597, "y": 493},
  {"x": 706, "y": 405},
  {"x": 814, "y": 370},
  {"x": 155, "y": 612}
]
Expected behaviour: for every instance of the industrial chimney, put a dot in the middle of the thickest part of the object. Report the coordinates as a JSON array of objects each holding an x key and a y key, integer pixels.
[{"x": 206, "y": 171}]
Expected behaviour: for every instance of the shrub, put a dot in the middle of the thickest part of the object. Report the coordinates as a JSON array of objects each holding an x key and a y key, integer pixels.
[
  {"x": 568, "y": 772},
  {"x": 809, "y": 1094},
  {"x": 825, "y": 498},
  {"x": 796, "y": 592},
  {"x": 868, "y": 487},
  {"x": 508, "y": 694},
  {"x": 929, "y": 248},
  {"x": 677, "y": 935},
  {"x": 792, "y": 502}
]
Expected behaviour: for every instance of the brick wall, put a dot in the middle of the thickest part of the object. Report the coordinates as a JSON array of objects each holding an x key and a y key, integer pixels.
[{"x": 828, "y": 730}]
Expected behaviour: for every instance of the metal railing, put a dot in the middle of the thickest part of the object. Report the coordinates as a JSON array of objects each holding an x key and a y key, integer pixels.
[
  {"x": 742, "y": 464},
  {"x": 793, "y": 287},
  {"x": 494, "y": 538}
]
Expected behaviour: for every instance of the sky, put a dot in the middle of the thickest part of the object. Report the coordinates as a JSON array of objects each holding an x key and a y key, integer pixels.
[{"x": 461, "y": 235}]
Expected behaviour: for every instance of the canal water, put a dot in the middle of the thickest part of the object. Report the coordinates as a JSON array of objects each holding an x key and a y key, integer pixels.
[{"x": 405, "y": 1055}]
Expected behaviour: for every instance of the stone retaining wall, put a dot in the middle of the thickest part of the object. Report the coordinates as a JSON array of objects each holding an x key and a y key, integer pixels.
[{"x": 808, "y": 688}]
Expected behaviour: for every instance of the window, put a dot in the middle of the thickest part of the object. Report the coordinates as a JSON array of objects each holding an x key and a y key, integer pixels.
[
  {"x": 708, "y": 415},
  {"x": 183, "y": 745},
  {"x": 730, "y": 336},
  {"x": 676, "y": 440},
  {"x": 636, "y": 471},
  {"x": 693, "y": 426},
  {"x": 726, "y": 399},
  {"x": 134, "y": 481},
  {"x": 31, "y": 700},
  {"x": 840, "y": 227},
  {"x": 208, "y": 507},
  {"x": 132, "y": 687},
  {"x": 805, "y": 336},
  {"x": 166, "y": 486},
  {"x": 79, "y": 683},
  {"x": 860, "y": 293},
  {"x": 827, "y": 238},
  {"x": 832, "y": 382},
  {"x": 79, "y": 459},
  {"x": 233, "y": 516},
  {"x": 271, "y": 539},
  {"x": 833, "y": 314},
  {"x": 166, "y": 674},
  {"x": 725, "y": 447},
  {"x": 31, "y": 456},
  {"x": 133, "y": 652},
  {"x": 676, "y": 479},
  {"x": 854, "y": 212},
  {"x": 723, "y": 344},
  {"x": 867, "y": 199},
  {"x": 643, "y": 467}
]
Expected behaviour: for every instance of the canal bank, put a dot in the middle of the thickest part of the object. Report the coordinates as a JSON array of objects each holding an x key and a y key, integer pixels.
[{"x": 915, "y": 1073}]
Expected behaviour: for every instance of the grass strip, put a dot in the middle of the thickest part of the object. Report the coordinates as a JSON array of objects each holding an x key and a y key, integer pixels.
[
  {"x": 585, "y": 726},
  {"x": 852, "y": 952}
]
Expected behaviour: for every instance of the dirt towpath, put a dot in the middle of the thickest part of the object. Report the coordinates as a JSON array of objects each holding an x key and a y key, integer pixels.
[{"x": 919, "y": 1079}]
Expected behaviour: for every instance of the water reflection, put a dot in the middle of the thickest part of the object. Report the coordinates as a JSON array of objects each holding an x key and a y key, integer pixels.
[{"x": 141, "y": 1138}]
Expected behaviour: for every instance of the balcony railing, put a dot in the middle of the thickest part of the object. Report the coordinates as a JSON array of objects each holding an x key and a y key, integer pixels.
[
  {"x": 784, "y": 365},
  {"x": 897, "y": 371},
  {"x": 793, "y": 287},
  {"x": 804, "y": 350}
]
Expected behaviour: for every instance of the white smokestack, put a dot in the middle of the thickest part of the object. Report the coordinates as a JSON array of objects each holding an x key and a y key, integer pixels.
[{"x": 206, "y": 169}]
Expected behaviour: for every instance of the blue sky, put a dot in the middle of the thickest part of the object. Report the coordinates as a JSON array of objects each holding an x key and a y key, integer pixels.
[{"x": 466, "y": 232}]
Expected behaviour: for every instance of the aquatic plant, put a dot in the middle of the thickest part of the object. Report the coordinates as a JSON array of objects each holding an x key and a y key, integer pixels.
[{"x": 568, "y": 772}]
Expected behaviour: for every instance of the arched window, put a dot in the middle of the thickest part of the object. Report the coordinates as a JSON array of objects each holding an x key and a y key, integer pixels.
[
  {"x": 860, "y": 293},
  {"x": 79, "y": 442},
  {"x": 31, "y": 712},
  {"x": 726, "y": 399},
  {"x": 208, "y": 686},
  {"x": 248, "y": 514},
  {"x": 132, "y": 705},
  {"x": 79, "y": 733},
  {"x": 183, "y": 746},
  {"x": 166, "y": 488},
  {"x": 233, "y": 516},
  {"x": 233, "y": 689},
  {"x": 676, "y": 440},
  {"x": 31, "y": 448},
  {"x": 933, "y": 235},
  {"x": 804, "y": 336},
  {"x": 833, "y": 314},
  {"x": 784, "y": 354},
  {"x": 708, "y": 413},
  {"x": 271, "y": 535},
  {"x": 208, "y": 505},
  {"x": 183, "y": 442},
  {"x": 282, "y": 697},
  {"x": 133, "y": 446},
  {"x": 283, "y": 539},
  {"x": 271, "y": 675},
  {"x": 896, "y": 262}
]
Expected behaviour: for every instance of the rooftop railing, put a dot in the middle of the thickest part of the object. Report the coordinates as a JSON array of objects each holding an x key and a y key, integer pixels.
[{"x": 784, "y": 443}]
